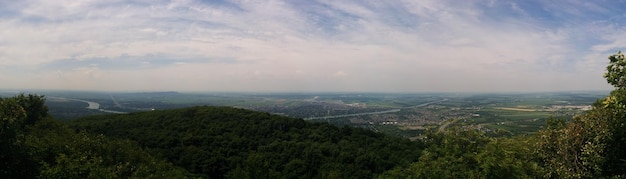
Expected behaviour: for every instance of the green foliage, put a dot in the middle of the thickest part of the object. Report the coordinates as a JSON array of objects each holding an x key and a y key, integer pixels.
[
  {"x": 11, "y": 114},
  {"x": 591, "y": 145},
  {"x": 461, "y": 153},
  {"x": 18, "y": 111},
  {"x": 15, "y": 113},
  {"x": 574, "y": 149},
  {"x": 616, "y": 71},
  {"x": 36, "y": 110},
  {"x": 219, "y": 142},
  {"x": 451, "y": 155},
  {"x": 66, "y": 154},
  {"x": 35, "y": 146},
  {"x": 513, "y": 157}
]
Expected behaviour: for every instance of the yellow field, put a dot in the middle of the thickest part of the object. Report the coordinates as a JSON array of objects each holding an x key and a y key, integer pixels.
[
  {"x": 518, "y": 109},
  {"x": 412, "y": 128}
]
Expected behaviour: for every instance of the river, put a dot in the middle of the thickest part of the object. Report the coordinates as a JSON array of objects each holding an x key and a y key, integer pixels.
[{"x": 92, "y": 105}]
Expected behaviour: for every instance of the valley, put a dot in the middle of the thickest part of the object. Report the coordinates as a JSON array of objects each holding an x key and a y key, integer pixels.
[{"x": 405, "y": 115}]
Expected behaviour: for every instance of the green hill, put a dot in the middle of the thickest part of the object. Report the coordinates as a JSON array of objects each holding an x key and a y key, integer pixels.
[
  {"x": 33, "y": 145},
  {"x": 219, "y": 142}
]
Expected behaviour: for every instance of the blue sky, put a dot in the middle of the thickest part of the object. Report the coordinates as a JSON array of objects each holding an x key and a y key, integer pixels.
[{"x": 309, "y": 45}]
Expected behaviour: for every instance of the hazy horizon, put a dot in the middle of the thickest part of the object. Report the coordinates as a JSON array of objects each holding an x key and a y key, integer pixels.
[
  {"x": 42, "y": 91},
  {"x": 391, "y": 46}
]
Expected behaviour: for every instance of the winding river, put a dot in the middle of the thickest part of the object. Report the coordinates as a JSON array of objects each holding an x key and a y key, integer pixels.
[{"x": 92, "y": 105}]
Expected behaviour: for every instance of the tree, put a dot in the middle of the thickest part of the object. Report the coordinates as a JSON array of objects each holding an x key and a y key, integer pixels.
[
  {"x": 591, "y": 145},
  {"x": 35, "y": 107},
  {"x": 616, "y": 71},
  {"x": 16, "y": 113},
  {"x": 451, "y": 154},
  {"x": 11, "y": 115}
]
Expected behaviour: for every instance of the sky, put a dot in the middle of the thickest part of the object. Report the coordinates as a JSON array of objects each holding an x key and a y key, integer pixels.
[{"x": 309, "y": 45}]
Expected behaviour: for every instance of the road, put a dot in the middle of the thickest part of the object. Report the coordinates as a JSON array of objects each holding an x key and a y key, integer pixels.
[
  {"x": 426, "y": 104},
  {"x": 115, "y": 102},
  {"x": 373, "y": 113},
  {"x": 446, "y": 124},
  {"x": 352, "y": 115}
]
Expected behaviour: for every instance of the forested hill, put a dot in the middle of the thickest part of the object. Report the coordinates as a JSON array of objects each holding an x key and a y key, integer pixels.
[{"x": 219, "y": 142}]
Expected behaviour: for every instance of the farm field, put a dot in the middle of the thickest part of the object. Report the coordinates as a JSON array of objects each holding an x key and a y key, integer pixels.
[{"x": 406, "y": 115}]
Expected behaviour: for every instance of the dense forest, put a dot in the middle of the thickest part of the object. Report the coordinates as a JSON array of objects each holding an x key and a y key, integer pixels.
[
  {"x": 204, "y": 142},
  {"x": 219, "y": 142},
  {"x": 223, "y": 142}
]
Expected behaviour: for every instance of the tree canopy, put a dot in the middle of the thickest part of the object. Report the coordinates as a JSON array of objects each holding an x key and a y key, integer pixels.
[
  {"x": 592, "y": 144},
  {"x": 616, "y": 71},
  {"x": 32, "y": 145},
  {"x": 218, "y": 142}
]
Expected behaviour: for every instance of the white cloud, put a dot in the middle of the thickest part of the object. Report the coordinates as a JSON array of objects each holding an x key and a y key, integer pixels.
[{"x": 285, "y": 46}]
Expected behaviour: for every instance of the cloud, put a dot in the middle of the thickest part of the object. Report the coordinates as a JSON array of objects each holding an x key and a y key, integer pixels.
[
  {"x": 340, "y": 74},
  {"x": 387, "y": 46}
]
